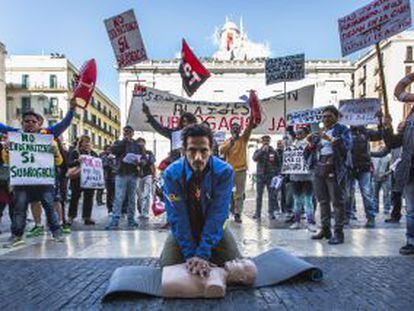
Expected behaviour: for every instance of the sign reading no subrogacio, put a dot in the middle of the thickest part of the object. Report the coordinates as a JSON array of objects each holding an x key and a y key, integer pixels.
[
  {"x": 288, "y": 68},
  {"x": 31, "y": 159}
]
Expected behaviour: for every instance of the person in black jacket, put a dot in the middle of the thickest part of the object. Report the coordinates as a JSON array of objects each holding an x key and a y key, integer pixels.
[
  {"x": 84, "y": 148},
  {"x": 268, "y": 166},
  {"x": 127, "y": 152},
  {"x": 109, "y": 166}
]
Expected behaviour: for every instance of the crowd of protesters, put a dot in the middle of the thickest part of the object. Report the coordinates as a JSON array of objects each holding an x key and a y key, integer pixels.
[{"x": 338, "y": 159}]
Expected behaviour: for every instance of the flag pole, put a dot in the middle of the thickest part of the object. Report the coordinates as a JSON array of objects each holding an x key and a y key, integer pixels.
[
  {"x": 284, "y": 102},
  {"x": 382, "y": 78}
]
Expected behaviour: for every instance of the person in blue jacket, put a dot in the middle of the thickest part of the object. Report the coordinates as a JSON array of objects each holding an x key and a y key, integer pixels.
[
  {"x": 197, "y": 193},
  {"x": 56, "y": 130}
]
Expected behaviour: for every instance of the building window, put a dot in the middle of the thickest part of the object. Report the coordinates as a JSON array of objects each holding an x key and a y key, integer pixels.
[
  {"x": 25, "y": 81},
  {"x": 104, "y": 126},
  {"x": 53, "y": 81},
  {"x": 409, "y": 54},
  {"x": 93, "y": 118},
  {"x": 73, "y": 132},
  {"x": 26, "y": 105},
  {"x": 99, "y": 122},
  {"x": 364, "y": 89},
  {"x": 110, "y": 129},
  {"x": 93, "y": 139},
  {"x": 110, "y": 114},
  {"x": 85, "y": 115},
  {"x": 408, "y": 70},
  {"x": 85, "y": 132},
  {"x": 106, "y": 142},
  {"x": 53, "y": 104},
  {"x": 100, "y": 142},
  {"x": 99, "y": 105},
  {"x": 364, "y": 68}
]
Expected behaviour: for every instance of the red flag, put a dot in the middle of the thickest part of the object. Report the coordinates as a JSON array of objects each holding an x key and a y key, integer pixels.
[
  {"x": 255, "y": 114},
  {"x": 192, "y": 71},
  {"x": 85, "y": 84}
]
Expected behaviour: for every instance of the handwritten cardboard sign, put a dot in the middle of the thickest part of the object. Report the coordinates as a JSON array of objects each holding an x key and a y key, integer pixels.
[
  {"x": 126, "y": 40},
  {"x": 372, "y": 23},
  {"x": 293, "y": 160},
  {"x": 359, "y": 111},
  {"x": 92, "y": 174},
  {"x": 307, "y": 116},
  {"x": 288, "y": 68},
  {"x": 31, "y": 159}
]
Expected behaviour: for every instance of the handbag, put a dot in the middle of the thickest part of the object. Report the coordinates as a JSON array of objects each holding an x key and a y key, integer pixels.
[{"x": 73, "y": 172}]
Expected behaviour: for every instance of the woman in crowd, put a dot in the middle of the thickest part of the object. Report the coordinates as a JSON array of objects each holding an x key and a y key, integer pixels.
[{"x": 84, "y": 148}]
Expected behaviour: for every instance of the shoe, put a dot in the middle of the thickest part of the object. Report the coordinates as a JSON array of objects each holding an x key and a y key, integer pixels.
[
  {"x": 35, "y": 231},
  {"x": 295, "y": 226},
  {"x": 113, "y": 224},
  {"x": 347, "y": 221},
  {"x": 370, "y": 223},
  {"x": 256, "y": 216},
  {"x": 89, "y": 222},
  {"x": 386, "y": 212},
  {"x": 392, "y": 220},
  {"x": 14, "y": 241},
  {"x": 132, "y": 225},
  {"x": 272, "y": 216},
  {"x": 312, "y": 227},
  {"x": 289, "y": 219},
  {"x": 237, "y": 218},
  {"x": 322, "y": 234},
  {"x": 407, "y": 249},
  {"x": 338, "y": 238},
  {"x": 66, "y": 229},
  {"x": 57, "y": 236}
]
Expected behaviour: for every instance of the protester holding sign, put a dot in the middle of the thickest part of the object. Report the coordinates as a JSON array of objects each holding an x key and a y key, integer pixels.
[
  {"x": 74, "y": 164},
  {"x": 32, "y": 159},
  {"x": 174, "y": 135},
  {"x": 128, "y": 153},
  {"x": 234, "y": 151},
  {"x": 268, "y": 166},
  {"x": 404, "y": 172},
  {"x": 331, "y": 146},
  {"x": 301, "y": 180}
]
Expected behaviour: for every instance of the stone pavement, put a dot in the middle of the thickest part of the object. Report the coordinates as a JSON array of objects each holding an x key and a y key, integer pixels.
[{"x": 364, "y": 273}]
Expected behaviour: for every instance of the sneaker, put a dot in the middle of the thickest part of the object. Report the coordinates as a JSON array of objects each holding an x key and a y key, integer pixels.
[
  {"x": 256, "y": 216},
  {"x": 89, "y": 222},
  {"x": 112, "y": 225},
  {"x": 370, "y": 223},
  {"x": 295, "y": 226},
  {"x": 132, "y": 225},
  {"x": 66, "y": 229},
  {"x": 57, "y": 236},
  {"x": 407, "y": 249},
  {"x": 14, "y": 241},
  {"x": 35, "y": 231},
  {"x": 311, "y": 227},
  {"x": 392, "y": 220}
]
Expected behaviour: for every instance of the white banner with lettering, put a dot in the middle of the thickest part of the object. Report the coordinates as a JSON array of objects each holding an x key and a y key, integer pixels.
[
  {"x": 92, "y": 174},
  {"x": 359, "y": 111},
  {"x": 167, "y": 108},
  {"x": 293, "y": 160},
  {"x": 31, "y": 159}
]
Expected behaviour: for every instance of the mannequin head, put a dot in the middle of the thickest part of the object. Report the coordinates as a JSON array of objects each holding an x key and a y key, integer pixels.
[{"x": 241, "y": 271}]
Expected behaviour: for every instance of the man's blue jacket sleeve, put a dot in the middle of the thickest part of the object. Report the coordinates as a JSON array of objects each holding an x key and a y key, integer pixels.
[
  {"x": 216, "y": 215},
  {"x": 177, "y": 216},
  {"x": 57, "y": 129},
  {"x": 5, "y": 128}
]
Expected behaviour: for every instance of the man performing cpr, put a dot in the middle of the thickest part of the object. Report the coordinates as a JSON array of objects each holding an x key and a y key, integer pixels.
[{"x": 197, "y": 193}]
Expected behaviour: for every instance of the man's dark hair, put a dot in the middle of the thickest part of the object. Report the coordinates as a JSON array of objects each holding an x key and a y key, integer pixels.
[
  {"x": 332, "y": 109},
  {"x": 30, "y": 113},
  {"x": 189, "y": 116},
  {"x": 128, "y": 127},
  {"x": 141, "y": 139},
  {"x": 197, "y": 130}
]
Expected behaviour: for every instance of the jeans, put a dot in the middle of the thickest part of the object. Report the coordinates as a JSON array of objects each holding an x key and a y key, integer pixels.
[
  {"x": 385, "y": 185},
  {"x": 144, "y": 191},
  {"x": 23, "y": 195},
  {"x": 262, "y": 182},
  {"x": 350, "y": 203},
  {"x": 240, "y": 184},
  {"x": 302, "y": 197},
  {"x": 409, "y": 197},
  {"x": 365, "y": 186},
  {"x": 125, "y": 185},
  {"x": 328, "y": 191}
]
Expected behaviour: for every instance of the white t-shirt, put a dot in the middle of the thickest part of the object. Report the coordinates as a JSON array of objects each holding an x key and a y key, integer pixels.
[{"x": 326, "y": 144}]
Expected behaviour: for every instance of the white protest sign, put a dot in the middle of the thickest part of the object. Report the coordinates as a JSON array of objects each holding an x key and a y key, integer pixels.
[
  {"x": 126, "y": 40},
  {"x": 288, "y": 68},
  {"x": 92, "y": 174},
  {"x": 176, "y": 140},
  {"x": 220, "y": 137},
  {"x": 307, "y": 116},
  {"x": 31, "y": 159},
  {"x": 359, "y": 111},
  {"x": 167, "y": 109},
  {"x": 374, "y": 22},
  {"x": 293, "y": 160}
]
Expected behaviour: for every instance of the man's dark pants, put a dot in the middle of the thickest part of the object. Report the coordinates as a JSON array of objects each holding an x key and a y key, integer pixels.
[
  {"x": 110, "y": 192},
  {"x": 23, "y": 195},
  {"x": 74, "y": 200},
  {"x": 224, "y": 251},
  {"x": 262, "y": 182},
  {"x": 328, "y": 191}
]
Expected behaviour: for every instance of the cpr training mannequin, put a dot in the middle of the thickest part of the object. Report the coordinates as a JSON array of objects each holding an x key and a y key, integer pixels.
[{"x": 179, "y": 282}]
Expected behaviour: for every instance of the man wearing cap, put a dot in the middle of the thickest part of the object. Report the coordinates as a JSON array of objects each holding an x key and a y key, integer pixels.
[
  {"x": 127, "y": 152},
  {"x": 268, "y": 166},
  {"x": 234, "y": 151}
]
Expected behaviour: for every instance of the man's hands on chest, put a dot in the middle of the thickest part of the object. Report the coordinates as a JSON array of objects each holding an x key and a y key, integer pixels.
[{"x": 199, "y": 266}]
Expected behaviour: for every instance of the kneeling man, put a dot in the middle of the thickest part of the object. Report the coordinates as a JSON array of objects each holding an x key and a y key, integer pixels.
[{"x": 197, "y": 193}]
